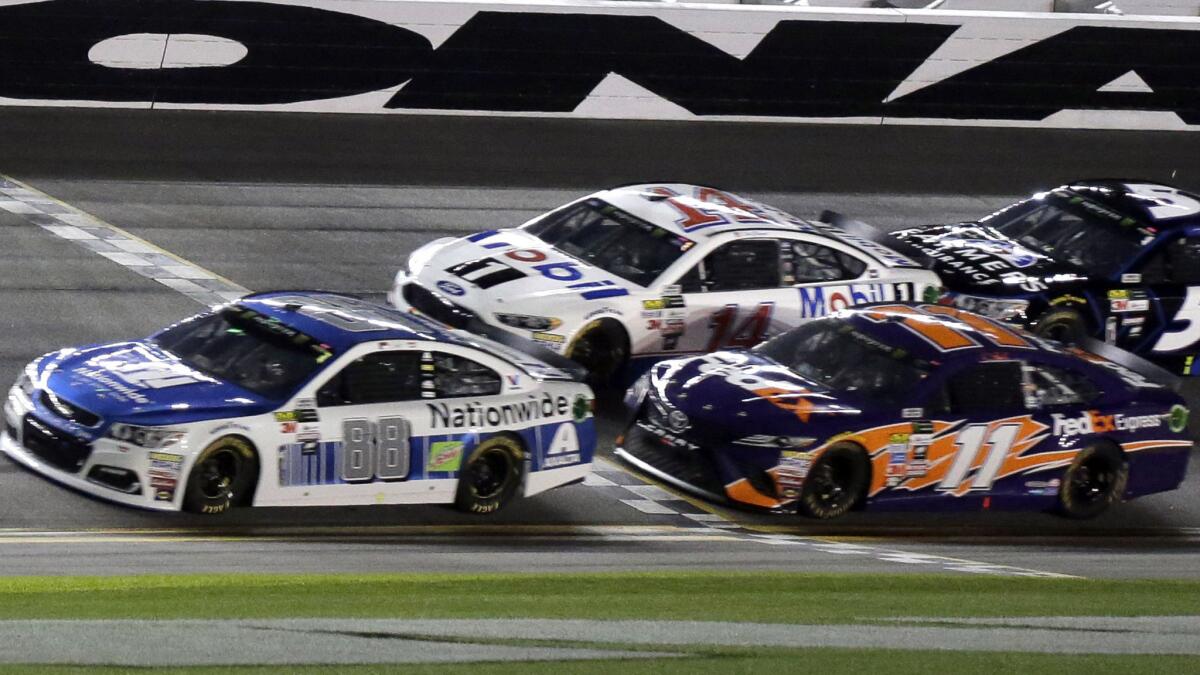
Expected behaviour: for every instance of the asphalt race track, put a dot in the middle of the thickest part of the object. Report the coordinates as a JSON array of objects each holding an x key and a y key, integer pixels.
[{"x": 337, "y": 202}]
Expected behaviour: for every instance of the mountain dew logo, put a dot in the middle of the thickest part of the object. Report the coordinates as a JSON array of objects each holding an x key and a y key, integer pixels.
[{"x": 1177, "y": 419}]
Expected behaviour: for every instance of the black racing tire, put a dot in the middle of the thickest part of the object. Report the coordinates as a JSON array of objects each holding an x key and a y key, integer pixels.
[
  {"x": 836, "y": 482},
  {"x": 603, "y": 348},
  {"x": 224, "y": 475},
  {"x": 491, "y": 476},
  {"x": 1094, "y": 481},
  {"x": 1063, "y": 325}
]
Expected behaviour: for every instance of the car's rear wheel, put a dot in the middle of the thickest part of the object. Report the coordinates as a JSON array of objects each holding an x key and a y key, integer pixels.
[
  {"x": 1063, "y": 325},
  {"x": 224, "y": 474},
  {"x": 1093, "y": 482},
  {"x": 836, "y": 482},
  {"x": 491, "y": 475},
  {"x": 603, "y": 348}
]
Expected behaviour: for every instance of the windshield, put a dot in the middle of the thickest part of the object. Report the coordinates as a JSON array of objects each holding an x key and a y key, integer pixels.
[
  {"x": 606, "y": 237},
  {"x": 1094, "y": 245},
  {"x": 835, "y": 355},
  {"x": 246, "y": 348}
]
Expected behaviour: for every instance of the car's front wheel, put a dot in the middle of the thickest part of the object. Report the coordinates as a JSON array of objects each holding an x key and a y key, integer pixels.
[
  {"x": 603, "y": 348},
  {"x": 1093, "y": 482},
  {"x": 1063, "y": 325},
  {"x": 491, "y": 475},
  {"x": 835, "y": 482},
  {"x": 224, "y": 474}
]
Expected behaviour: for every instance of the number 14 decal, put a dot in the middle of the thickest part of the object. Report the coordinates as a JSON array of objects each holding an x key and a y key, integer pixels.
[
  {"x": 749, "y": 333},
  {"x": 971, "y": 440}
]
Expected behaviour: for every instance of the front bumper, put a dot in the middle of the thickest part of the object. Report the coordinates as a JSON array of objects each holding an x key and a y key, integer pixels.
[
  {"x": 695, "y": 469},
  {"x": 104, "y": 458}
]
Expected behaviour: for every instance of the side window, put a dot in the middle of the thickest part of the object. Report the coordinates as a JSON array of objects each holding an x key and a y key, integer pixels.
[
  {"x": 987, "y": 387},
  {"x": 746, "y": 265},
  {"x": 805, "y": 262},
  {"x": 1176, "y": 262},
  {"x": 383, "y": 377},
  {"x": 1051, "y": 386},
  {"x": 458, "y": 376}
]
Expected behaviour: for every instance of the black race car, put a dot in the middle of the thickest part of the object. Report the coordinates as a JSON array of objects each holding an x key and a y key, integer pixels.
[{"x": 1119, "y": 261}]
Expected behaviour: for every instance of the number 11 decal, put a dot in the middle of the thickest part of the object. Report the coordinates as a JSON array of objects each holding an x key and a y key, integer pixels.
[{"x": 971, "y": 440}]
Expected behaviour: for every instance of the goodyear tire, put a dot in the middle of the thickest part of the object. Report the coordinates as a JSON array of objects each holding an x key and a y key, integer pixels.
[
  {"x": 224, "y": 474},
  {"x": 603, "y": 348},
  {"x": 1063, "y": 325},
  {"x": 491, "y": 475},
  {"x": 1094, "y": 481},
  {"x": 836, "y": 482}
]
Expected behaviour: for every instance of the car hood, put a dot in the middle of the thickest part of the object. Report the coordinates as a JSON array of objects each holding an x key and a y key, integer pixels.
[
  {"x": 140, "y": 383},
  {"x": 740, "y": 394},
  {"x": 972, "y": 257},
  {"x": 513, "y": 269}
]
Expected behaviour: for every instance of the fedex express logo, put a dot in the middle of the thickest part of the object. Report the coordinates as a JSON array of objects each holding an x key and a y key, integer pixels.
[
  {"x": 488, "y": 272},
  {"x": 1092, "y": 422}
]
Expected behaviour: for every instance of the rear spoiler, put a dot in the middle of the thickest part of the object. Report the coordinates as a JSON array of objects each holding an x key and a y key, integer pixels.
[
  {"x": 1155, "y": 373},
  {"x": 862, "y": 230},
  {"x": 530, "y": 348}
]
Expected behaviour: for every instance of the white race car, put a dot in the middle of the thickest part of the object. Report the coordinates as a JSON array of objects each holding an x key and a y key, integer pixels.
[
  {"x": 654, "y": 270},
  {"x": 301, "y": 398}
]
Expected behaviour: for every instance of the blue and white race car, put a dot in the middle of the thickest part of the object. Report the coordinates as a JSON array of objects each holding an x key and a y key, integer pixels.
[{"x": 301, "y": 398}]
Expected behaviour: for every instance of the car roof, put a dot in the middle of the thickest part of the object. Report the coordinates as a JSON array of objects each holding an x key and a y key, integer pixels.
[
  {"x": 963, "y": 336},
  {"x": 355, "y": 320},
  {"x": 1134, "y": 199},
  {"x": 714, "y": 211}
]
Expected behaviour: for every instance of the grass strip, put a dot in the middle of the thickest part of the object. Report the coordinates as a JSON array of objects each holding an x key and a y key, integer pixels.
[
  {"x": 827, "y": 661},
  {"x": 776, "y": 597}
]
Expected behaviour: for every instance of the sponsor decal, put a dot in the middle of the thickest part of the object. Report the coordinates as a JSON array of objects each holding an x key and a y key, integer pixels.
[
  {"x": 228, "y": 427},
  {"x": 444, "y": 456},
  {"x": 478, "y": 415},
  {"x": 1131, "y": 278},
  {"x": 564, "y": 447},
  {"x": 602, "y": 311},
  {"x": 451, "y": 288},
  {"x": 910, "y": 413},
  {"x": 581, "y": 408},
  {"x": 793, "y": 468},
  {"x": 164, "y": 474},
  {"x": 1069, "y": 299},
  {"x": 655, "y": 304},
  {"x": 287, "y": 427},
  {"x": 553, "y": 338},
  {"x": 819, "y": 301},
  {"x": 1093, "y": 422},
  {"x": 1177, "y": 418}
]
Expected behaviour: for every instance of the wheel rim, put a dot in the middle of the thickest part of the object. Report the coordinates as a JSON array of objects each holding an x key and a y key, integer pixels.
[
  {"x": 1092, "y": 482},
  {"x": 1061, "y": 331},
  {"x": 489, "y": 473},
  {"x": 830, "y": 484},
  {"x": 598, "y": 353},
  {"x": 217, "y": 474}
]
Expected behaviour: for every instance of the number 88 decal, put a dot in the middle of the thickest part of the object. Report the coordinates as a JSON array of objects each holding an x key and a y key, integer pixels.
[{"x": 375, "y": 449}]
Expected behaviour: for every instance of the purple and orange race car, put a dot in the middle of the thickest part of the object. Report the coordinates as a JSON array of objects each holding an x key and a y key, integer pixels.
[{"x": 906, "y": 406}]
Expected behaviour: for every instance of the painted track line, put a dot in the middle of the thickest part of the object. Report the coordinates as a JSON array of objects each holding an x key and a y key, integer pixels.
[{"x": 119, "y": 246}]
